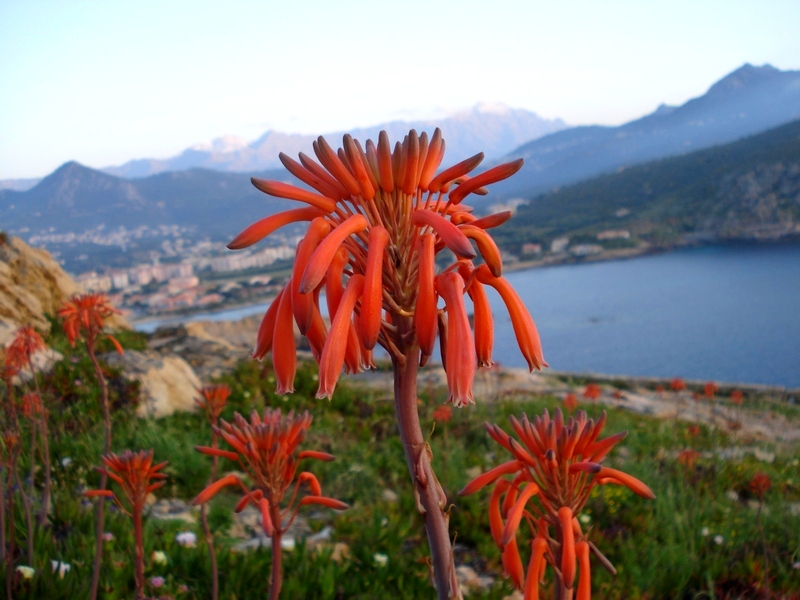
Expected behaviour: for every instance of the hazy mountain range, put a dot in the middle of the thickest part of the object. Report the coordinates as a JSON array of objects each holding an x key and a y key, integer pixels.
[
  {"x": 747, "y": 101},
  {"x": 492, "y": 128},
  {"x": 216, "y": 204}
]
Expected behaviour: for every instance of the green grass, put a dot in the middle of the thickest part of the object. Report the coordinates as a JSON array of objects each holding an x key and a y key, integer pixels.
[{"x": 660, "y": 548}]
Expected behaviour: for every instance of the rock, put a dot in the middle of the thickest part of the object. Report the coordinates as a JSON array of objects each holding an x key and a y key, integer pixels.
[
  {"x": 168, "y": 383},
  {"x": 470, "y": 581},
  {"x": 208, "y": 355},
  {"x": 173, "y": 510},
  {"x": 388, "y": 495},
  {"x": 33, "y": 285},
  {"x": 764, "y": 455}
]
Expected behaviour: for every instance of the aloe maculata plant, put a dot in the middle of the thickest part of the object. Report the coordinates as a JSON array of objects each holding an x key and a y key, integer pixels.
[{"x": 379, "y": 217}]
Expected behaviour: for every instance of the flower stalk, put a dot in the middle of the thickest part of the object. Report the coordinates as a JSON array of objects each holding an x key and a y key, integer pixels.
[
  {"x": 265, "y": 448},
  {"x": 379, "y": 216},
  {"x": 85, "y": 316},
  {"x": 134, "y": 472},
  {"x": 212, "y": 400}
]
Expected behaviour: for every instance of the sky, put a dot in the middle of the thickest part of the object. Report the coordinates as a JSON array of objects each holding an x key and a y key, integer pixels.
[{"x": 106, "y": 82}]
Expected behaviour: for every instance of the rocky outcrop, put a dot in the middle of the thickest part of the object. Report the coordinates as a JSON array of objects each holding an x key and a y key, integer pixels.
[
  {"x": 168, "y": 383},
  {"x": 32, "y": 285}
]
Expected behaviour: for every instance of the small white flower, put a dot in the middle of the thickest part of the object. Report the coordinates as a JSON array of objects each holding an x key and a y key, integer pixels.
[
  {"x": 718, "y": 539},
  {"x": 62, "y": 568},
  {"x": 108, "y": 536},
  {"x": 287, "y": 543},
  {"x": 187, "y": 539},
  {"x": 26, "y": 572},
  {"x": 66, "y": 461},
  {"x": 796, "y": 566},
  {"x": 705, "y": 531},
  {"x": 381, "y": 560},
  {"x": 585, "y": 519},
  {"x": 159, "y": 557}
]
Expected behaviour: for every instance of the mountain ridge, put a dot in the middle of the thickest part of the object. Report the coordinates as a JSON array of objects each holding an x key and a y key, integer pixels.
[
  {"x": 492, "y": 128},
  {"x": 746, "y": 101}
]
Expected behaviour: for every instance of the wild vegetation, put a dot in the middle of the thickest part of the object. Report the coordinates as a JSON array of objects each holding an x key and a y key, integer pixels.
[{"x": 700, "y": 537}]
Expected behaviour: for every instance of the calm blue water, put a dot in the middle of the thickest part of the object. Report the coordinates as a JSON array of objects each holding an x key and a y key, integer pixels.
[
  {"x": 724, "y": 313},
  {"x": 727, "y": 313}
]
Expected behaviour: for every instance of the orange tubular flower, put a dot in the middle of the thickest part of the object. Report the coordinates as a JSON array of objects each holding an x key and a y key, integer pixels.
[
  {"x": 266, "y": 448},
  {"x": 86, "y": 315},
  {"x": 25, "y": 344},
  {"x": 386, "y": 216},
  {"x": 677, "y": 385},
  {"x": 556, "y": 464},
  {"x": 212, "y": 400},
  {"x": 134, "y": 472}
]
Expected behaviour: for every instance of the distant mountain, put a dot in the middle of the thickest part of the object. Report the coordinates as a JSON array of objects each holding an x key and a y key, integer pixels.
[
  {"x": 75, "y": 199},
  {"x": 490, "y": 128},
  {"x": 749, "y": 100},
  {"x": 749, "y": 189}
]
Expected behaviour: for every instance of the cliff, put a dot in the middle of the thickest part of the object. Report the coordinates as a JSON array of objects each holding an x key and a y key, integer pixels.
[{"x": 32, "y": 285}]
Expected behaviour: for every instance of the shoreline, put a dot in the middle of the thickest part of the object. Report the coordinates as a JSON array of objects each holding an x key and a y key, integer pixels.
[{"x": 557, "y": 260}]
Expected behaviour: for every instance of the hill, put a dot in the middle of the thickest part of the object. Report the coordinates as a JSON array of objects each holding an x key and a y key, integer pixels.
[
  {"x": 748, "y": 189},
  {"x": 748, "y": 101}
]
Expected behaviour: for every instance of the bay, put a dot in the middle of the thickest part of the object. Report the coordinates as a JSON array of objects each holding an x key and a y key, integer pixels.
[{"x": 724, "y": 313}]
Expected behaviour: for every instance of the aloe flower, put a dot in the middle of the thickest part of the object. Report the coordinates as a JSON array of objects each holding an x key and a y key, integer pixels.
[
  {"x": 85, "y": 316},
  {"x": 212, "y": 400},
  {"x": 592, "y": 391},
  {"x": 379, "y": 217},
  {"x": 266, "y": 449},
  {"x": 677, "y": 385},
  {"x": 554, "y": 469},
  {"x": 135, "y": 473}
]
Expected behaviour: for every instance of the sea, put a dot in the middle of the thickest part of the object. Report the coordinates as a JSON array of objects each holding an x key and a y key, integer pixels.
[{"x": 727, "y": 313}]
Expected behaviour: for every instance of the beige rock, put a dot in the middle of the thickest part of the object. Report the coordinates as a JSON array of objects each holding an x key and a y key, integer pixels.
[
  {"x": 168, "y": 382},
  {"x": 32, "y": 285}
]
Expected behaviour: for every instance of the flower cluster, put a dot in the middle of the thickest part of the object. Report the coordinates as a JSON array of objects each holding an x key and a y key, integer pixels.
[
  {"x": 558, "y": 464},
  {"x": 20, "y": 351},
  {"x": 86, "y": 315},
  {"x": 133, "y": 471},
  {"x": 265, "y": 448},
  {"x": 378, "y": 218},
  {"x": 212, "y": 400}
]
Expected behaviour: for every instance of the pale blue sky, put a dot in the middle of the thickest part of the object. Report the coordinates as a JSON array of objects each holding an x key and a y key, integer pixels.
[{"x": 103, "y": 82}]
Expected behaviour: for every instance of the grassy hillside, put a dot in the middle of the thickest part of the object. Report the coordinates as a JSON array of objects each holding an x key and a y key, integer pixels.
[{"x": 701, "y": 537}]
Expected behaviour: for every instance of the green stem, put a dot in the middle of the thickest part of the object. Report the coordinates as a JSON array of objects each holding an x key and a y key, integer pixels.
[{"x": 100, "y": 515}]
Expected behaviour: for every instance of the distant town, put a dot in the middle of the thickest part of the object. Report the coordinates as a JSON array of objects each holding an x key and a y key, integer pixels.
[
  {"x": 184, "y": 275},
  {"x": 191, "y": 276}
]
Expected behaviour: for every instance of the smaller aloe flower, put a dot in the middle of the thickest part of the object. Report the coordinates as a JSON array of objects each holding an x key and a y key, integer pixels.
[
  {"x": 212, "y": 400},
  {"x": 135, "y": 473},
  {"x": 554, "y": 470},
  {"x": 570, "y": 402},
  {"x": 592, "y": 391},
  {"x": 760, "y": 484},
  {"x": 677, "y": 385},
  {"x": 32, "y": 405},
  {"x": 443, "y": 413},
  {"x": 25, "y": 344},
  {"x": 710, "y": 390},
  {"x": 737, "y": 397},
  {"x": 85, "y": 316},
  {"x": 266, "y": 450}
]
